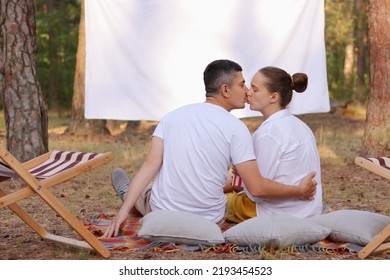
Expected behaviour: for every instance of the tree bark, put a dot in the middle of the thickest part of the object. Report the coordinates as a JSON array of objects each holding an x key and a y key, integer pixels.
[
  {"x": 80, "y": 125},
  {"x": 377, "y": 133},
  {"x": 24, "y": 108}
]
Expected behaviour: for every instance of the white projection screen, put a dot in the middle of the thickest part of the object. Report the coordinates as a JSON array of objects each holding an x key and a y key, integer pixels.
[{"x": 145, "y": 58}]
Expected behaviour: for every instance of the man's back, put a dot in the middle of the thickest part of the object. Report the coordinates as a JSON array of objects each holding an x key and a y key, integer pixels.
[{"x": 200, "y": 141}]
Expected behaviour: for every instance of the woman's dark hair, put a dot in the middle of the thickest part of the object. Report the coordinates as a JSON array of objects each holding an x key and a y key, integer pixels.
[
  {"x": 219, "y": 72},
  {"x": 280, "y": 81}
]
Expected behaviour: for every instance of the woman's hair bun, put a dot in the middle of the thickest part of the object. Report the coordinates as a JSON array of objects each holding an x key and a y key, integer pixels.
[{"x": 299, "y": 82}]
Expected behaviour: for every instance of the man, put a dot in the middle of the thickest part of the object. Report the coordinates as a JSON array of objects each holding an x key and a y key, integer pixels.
[{"x": 191, "y": 151}]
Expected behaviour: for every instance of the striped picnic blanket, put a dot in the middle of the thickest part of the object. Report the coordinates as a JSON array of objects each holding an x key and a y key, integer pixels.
[{"x": 127, "y": 241}]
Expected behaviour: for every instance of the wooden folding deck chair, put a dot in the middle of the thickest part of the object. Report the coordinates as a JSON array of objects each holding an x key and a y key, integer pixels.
[
  {"x": 379, "y": 165},
  {"x": 381, "y": 242},
  {"x": 41, "y": 173}
]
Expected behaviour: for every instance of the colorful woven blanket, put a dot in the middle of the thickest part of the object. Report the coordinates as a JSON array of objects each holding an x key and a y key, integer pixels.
[{"x": 129, "y": 241}]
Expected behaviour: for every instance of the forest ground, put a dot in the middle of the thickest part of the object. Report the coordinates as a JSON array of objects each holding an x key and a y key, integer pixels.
[{"x": 345, "y": 185}]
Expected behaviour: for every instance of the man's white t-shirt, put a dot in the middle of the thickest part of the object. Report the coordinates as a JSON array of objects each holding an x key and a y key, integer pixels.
[
  {"x": 286, "y": 151},
  {"x": 200, "y": 142}
]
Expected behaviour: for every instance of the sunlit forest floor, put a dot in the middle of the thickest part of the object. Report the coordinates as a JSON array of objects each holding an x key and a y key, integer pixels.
[{"x": 345, "y": 186}]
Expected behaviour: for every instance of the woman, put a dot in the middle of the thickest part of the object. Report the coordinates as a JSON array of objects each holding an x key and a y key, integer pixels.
[{"x": 285, "y": 147}]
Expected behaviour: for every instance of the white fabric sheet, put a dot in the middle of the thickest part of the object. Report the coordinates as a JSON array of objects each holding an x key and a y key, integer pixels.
[{"x": 145, "y": 58}]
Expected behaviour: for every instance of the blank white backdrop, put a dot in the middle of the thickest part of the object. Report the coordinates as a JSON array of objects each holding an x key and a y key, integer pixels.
[{"x": 146, "y": 57}]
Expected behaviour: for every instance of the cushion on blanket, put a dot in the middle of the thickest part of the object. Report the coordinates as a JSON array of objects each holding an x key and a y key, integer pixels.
[
  {"x": 352, "y": 226},
  {"x": 276, "y": 230},
  {"x": 180, "y": 228}
]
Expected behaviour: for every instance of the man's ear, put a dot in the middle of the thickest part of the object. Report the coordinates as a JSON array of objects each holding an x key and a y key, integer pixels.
[{"x": 225, "y": 90}]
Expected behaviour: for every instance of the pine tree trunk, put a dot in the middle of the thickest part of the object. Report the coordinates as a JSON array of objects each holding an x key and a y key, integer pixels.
[
  {"x": 80, "y": 125},
  {"x": 24, "y": 108},
  {"x": 377, "y": 134}
]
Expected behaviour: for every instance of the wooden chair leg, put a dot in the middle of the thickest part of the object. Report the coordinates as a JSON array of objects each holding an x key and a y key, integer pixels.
[
  {"x": 61, "y": 210},
  {"x": 91, "y": 241},
  {"x": 377, "y": 244},
  {"x": 26, "y": 218}
]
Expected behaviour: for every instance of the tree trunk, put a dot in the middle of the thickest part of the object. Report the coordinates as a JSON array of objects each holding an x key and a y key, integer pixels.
[
  {"x": 348, "y": 63},
  {"x": 24, "y": 108},
  {"x": 377, "y": 134},
  {"x": 79, "y": 124}
]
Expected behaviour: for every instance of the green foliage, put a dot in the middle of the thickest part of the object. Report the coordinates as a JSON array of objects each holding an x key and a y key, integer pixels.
[
  {"x": 346, "y": 27},
  {"x": 338, "y": 26},
  {"x": 57, "y": 37}
]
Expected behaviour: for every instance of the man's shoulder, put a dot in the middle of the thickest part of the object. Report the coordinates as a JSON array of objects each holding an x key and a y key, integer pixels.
[{"x": 185, "y": 108}]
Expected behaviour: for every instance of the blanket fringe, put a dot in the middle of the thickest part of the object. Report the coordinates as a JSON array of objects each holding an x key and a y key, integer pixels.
[{"x": 158, "y": 246}]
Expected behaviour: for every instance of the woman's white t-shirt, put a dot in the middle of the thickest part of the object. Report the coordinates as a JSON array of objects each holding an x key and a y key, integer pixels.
[{"x": 286, "y": 151}]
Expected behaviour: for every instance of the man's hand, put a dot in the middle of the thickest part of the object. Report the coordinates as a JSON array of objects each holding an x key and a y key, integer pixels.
[
  {"x": 308, "y": 187},
  {"x": 117, "y": 223}
]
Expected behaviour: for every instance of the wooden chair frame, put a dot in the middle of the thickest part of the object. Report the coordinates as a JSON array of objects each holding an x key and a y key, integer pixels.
[
  {"x": 41, "y": 188},
  {"x": 379, "y": 166},
  {"x": 377, "y": 244},
  {"x": 375, "y": 165}
]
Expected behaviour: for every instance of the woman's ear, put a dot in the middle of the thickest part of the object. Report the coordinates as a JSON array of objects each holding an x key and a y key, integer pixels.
[{"x": 275, "y": 97}]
